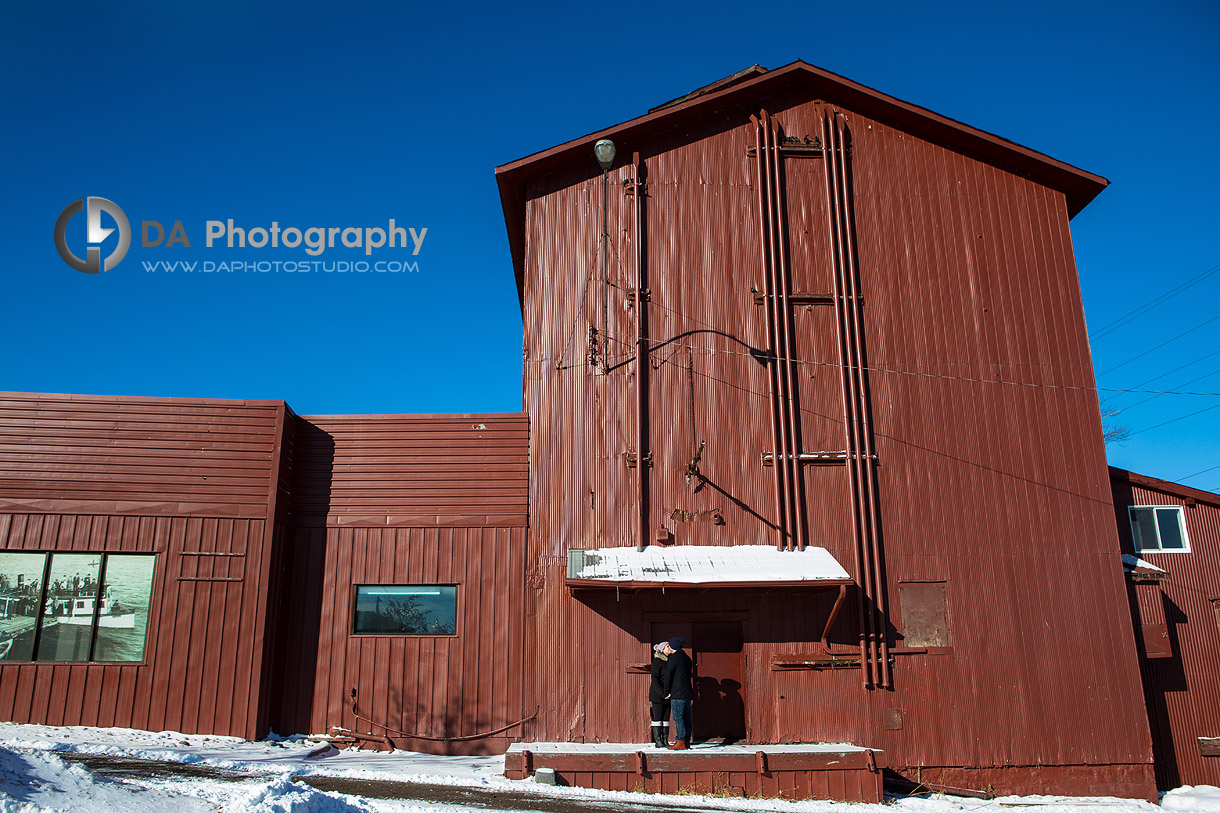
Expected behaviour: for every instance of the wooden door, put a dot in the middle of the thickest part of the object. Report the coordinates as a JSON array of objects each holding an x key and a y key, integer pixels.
[{"x": 719, "y": 710}]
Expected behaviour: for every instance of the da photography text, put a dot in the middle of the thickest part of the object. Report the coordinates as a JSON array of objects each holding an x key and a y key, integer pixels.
[{"x": 228, "y": 234}]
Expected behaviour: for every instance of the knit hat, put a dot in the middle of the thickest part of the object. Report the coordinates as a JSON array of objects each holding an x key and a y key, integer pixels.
[
  {"x": 659, "y": 647},
  {"x": 677, "y": 643}
]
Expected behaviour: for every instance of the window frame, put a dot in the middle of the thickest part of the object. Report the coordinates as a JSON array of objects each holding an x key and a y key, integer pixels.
[
  {"x": 457, "y": 612},
  {"x": 1136, "y": 537},
  {"x": 49, "y": 557}
]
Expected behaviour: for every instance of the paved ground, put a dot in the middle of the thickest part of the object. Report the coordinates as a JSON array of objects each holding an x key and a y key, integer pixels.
[{"x": 472, "y": 797}]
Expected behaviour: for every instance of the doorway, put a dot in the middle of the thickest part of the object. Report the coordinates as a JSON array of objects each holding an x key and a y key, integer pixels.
[{"x": 715, "y": 647}]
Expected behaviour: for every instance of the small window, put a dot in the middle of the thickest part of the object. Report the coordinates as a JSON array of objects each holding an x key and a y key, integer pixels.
[
  {"x": 1158, "y": 528},
  {"x": 405, "y": 609}
]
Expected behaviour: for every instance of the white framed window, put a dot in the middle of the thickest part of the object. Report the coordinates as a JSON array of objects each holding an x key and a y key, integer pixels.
[{"x": 1158, "y": 529}]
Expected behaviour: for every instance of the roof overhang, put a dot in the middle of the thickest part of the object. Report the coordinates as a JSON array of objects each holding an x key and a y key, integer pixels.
[
  {"x": 1186, "y": 493},
  {"x": 703, "y": 567},
  {"x": 748, "y": 87}
]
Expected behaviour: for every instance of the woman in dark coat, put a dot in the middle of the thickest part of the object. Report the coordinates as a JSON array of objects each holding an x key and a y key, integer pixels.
[{"x": 657, "y": 702}]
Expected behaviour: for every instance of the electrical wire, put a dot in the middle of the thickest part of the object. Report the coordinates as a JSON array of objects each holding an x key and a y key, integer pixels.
[
  {"x": 653, "y": 343},
  {"x": 1147, "y": 306},
  {"x": 1162, "y": 344},
  {"x": 1196, "y": 474},
  {"x": 1174, "y": 420}
]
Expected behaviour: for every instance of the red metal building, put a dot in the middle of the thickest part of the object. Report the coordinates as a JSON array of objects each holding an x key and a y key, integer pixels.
[
  {"x": 1174, "y": 589},
  {"x": 806, "y": 381},
  {"x": 250, "y": 531},
  {"x": 821, "y": 316}
]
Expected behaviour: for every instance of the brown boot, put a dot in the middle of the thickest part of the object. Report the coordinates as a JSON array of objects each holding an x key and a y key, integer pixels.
[{"x": 679, "y": 745}]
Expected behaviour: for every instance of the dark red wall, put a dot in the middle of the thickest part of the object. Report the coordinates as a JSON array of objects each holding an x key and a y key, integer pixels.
[
  {"x": 991, "y": 467},
  {"x": 263, "y": 521},
  {"x": 436, "y": 499}
]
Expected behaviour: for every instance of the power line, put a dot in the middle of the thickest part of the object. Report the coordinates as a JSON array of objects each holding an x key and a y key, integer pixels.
[
  {"x": 1162, "y": 344},
  {"x": 654, "y": 343},
  {"x": 1197, "y": 473},
  {"x": 1160, "y": 300},
  {"x": 1175, "y": 369},
  {"x": 1171, "y": 392},
  {"x": 1175, "y": 420}
]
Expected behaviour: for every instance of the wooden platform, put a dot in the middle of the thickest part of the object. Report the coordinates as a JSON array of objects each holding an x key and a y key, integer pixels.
[{"x": 821, "y": 771}]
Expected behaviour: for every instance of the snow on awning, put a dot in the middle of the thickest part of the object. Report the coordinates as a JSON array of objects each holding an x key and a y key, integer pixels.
[
  {"x": 703, "y": 566},
  {"x": 1140, "y": 570}
]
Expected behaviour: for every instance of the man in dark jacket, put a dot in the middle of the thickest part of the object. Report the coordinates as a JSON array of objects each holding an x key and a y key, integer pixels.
[
  {"x": 680, "y": 689},
  {"x": 658, "y": 704}
]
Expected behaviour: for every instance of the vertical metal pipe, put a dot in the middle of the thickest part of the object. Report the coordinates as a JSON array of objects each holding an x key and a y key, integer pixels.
[
  {"x": 641, "y": 353},
  {"x": 784, "y": 306},
  {"x": 781, "y": 458},
  {"x": 773, "y": 399},
  {"x": 605, "y": 272},
  {"x": 874, "y": 501},
  {"x": 859, "y": 463},
  {"x": 840, "y": 329}
]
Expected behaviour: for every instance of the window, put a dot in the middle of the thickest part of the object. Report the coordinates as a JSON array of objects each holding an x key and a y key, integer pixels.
[
  {"x": 405, "y": 609},
  {"x": 1158, "y": 528},
  {"x": 74, "y": 607}
]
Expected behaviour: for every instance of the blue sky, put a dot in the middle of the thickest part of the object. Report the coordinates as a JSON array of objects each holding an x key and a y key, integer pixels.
[{"x": 349, "y": 114}]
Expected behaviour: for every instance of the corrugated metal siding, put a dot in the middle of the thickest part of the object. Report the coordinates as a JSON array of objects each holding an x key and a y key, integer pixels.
[
  {"x": 446, "y": 686},
  {"x": 106, "y": 455},
  {"x": 411, "y": 470},
  {"x": 1183, "y": 692},
  {"x": 201, "y": 671},
  {"x": 453, "y": 488},
  {"x": 992, "y": 471},
  {"x": 104, "y": 473}
]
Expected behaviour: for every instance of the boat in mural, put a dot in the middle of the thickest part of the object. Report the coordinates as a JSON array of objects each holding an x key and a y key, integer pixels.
[
  {"x": 17, "y": 620},
  {"x": 75, "y": 609}
]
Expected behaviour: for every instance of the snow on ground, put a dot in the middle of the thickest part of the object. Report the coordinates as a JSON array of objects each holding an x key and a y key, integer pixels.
[{"x": 34, "y": 777}]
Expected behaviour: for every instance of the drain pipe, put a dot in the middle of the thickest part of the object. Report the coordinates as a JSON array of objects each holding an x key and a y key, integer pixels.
[
  {"x": 639, "y": 189},
  {"x": 781, "y": 456},
  {"x": 840, "y": 328},
  {"x": 784, "y": 308},
  {"x": 772, "y": 372},
  {"x": 874, "y": 500}
]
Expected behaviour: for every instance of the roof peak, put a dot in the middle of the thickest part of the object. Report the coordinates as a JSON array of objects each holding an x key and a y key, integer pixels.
[{"x": 719, "y": 84}]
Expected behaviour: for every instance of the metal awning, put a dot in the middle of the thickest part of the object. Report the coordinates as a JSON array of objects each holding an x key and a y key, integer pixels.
[{"x": 703, "y": 566}]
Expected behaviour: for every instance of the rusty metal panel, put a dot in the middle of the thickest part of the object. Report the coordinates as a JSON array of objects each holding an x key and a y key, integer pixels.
[
  {"x": 925, "y": 615},
  {"x": 991, "y": 469},
  {"x": 1182, "y": 692}
]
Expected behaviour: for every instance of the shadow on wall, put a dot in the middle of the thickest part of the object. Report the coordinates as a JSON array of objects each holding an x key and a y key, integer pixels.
[{"x": 302, "y": 570}]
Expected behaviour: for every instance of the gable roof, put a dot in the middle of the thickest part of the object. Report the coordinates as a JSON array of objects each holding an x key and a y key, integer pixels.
[{"x": 1077, "y": 185}]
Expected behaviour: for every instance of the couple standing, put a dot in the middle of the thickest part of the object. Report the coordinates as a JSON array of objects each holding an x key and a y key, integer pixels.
[{"x": 671, "y": 687}]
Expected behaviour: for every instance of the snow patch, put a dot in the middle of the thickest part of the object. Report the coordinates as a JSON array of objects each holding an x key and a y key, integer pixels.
[{"x": 1193, "y": 797}]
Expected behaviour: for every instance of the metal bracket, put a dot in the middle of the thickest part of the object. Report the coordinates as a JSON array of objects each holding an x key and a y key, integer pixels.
[
  {"x": 819, "y": 458},
  {"x": 630, "y": 186},
  {"x": 631, "y": 294},
  {"x": 631, "y": 459}
]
